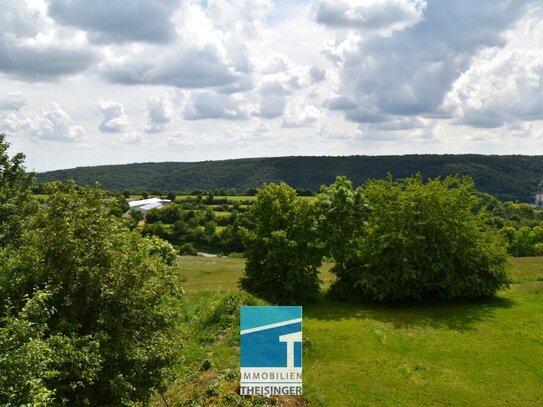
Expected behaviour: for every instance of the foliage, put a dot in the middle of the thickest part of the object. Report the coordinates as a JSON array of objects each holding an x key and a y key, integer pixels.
[
  {"x": 525, "y": 241},
  {"x": 16, "y": 203},
  {"x": 187, "y": 249},
  {"x": 341, "y": 210},
  {"x": 209, "y": 227},
  {"x": 426, "y": 240},
  {"x": 509, "y": 178},
  {"x": 282, "y": 251},
  {"x": 88, "y": 308}
]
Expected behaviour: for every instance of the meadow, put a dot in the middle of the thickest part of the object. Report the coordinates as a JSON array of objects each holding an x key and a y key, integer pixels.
[{"x": 476, "y": 353}]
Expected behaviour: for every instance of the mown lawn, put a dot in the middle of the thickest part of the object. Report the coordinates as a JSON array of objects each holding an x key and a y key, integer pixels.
[{"x": 476, "y": 353}]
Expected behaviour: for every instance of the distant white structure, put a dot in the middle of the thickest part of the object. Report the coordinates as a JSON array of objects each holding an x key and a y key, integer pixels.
[
  {"x": 539, "y": 199},
  {"x": 145, "y": 205}
]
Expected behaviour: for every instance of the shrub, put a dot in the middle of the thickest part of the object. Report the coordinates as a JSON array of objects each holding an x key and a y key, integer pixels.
[
  {"x": 187, "y": 249},
  {"x": 282, "y": 250},
  {"x": 341, "y": 211},
  {"x": 87, "y": 308},
  {"x": 16, "y": 203},
  {"x": 426, "y": 240}
]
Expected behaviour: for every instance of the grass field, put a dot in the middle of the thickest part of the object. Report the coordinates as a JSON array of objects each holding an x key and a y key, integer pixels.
[{"x": 477, "y": 353}]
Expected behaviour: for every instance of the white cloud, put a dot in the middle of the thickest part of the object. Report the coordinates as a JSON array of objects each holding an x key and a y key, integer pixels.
[
  {"x": 210, "y": 105},
  {"x": 273, "y": 78},
  {"x": 273, "y": 98},
  {"x": 13, "y": 101},
  {"x": 32, "y": 48},
  {"x": 377, "y": 16},
  {"x": 298, "y": 114},
  {"x": 159, "y": 114},
  {"x": 317, "y": 74},
  {"x": 503, "y": 84},
  {"x": 53, "y": 123},
  {"x": 118, "y": 21},
  {"x": 410, "y": 72},
  {"x": 115, "y": 119}
]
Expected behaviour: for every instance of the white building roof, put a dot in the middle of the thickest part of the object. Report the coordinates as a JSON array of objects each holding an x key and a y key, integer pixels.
[
  {"x": 142, "y": 202},
  {"x": 153, "y": 205}
]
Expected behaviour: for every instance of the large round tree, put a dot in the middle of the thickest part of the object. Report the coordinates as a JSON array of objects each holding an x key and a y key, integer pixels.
[
  {"x": 425, "y": 240},
  {"x": 282, "y": 250}
]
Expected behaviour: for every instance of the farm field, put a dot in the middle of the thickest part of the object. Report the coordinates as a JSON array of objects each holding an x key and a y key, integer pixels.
[{"x": 477, "y": 353}]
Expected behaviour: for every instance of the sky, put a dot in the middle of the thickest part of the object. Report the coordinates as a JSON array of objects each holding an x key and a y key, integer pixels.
[{"x": 120, "y": 81}]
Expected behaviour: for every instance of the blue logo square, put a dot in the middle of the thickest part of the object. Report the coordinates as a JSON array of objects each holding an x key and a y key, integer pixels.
[{"x": 271, "y": 336}]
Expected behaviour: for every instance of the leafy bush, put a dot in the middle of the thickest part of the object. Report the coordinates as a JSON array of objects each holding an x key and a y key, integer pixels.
[
  {"x": 425, "y": 240},
  {"x": 341, "y": 211},
  {"x": 187, "y": 249},
  {"x": 16, "y": 203},
  {"x": 87, "y": 308},
  {"x": 282, "y": 250}
]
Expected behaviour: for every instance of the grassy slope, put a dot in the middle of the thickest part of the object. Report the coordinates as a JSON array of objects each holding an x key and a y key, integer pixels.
[{"x": 469, "y": 353}]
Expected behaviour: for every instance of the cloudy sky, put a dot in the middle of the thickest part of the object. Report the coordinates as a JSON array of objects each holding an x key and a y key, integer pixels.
[{"x": 117, "y": 81}]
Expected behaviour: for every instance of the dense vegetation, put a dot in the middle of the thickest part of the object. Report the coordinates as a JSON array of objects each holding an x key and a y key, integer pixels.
[
  {"x": 91, "y": 311},
  {"x": 509, "y": 178},
  {"x": 199, "y": 224},
  {"x": 282, "y": 249},
  {"x": 88, "y": 308},
  {"x": 425, "y": 240},
  {"x": 16, "y": 203},
  {"x": 391, "y": 240}
]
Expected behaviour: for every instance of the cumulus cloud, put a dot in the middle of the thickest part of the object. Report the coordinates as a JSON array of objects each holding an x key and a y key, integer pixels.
[
  {"x": 340, "y": 103},
  {"x": 317, "y": 74},
  {"x": 13, "y": 101},
  {"x": 298, "y": 114},
  {"x": 273, "y": 98},
  {"x": 53, "y": 123},
  {"x": 499, "y": 87},
  {"x": 42, "y": 61},
  {"x": 201, "y": 56},
  {"x": 184, "y": 68},
  {"x": 503, "y": 84},
  {"x": 381, "y": 16},
  {"x": 159, "y": 114},
  {"x": 275, "y": 64},
  {"x": 411, "y": 71},
  {"x": 118, "y": 21},
  {"x": 33, "y": 49},
  {"x": 244, "y": 16},
  {"x": 115, "y": 119},
  {"x": 211, "y": 105}
]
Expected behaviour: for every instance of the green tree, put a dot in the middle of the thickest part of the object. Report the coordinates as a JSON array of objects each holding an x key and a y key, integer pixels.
[
  {"x": 187, "y": 249},
  {"x": 341, "y": 211},
  {"x": 282, "y": 250},
  {"x": 426, "y": 240},
  {"x": 87, "y": 307},
  {"x": 16, "y": 202}
]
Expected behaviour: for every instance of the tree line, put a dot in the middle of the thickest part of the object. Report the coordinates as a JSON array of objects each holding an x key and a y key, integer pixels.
[
  {"x": 509, "y": 178},
  {"x": 391, "y": 240}
]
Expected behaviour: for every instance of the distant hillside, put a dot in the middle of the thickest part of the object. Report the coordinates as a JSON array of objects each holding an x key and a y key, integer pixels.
[{"x": 507, "y": 177}]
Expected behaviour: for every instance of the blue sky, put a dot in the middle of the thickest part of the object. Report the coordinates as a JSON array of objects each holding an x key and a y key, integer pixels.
[{"x": 111, "y": 81}]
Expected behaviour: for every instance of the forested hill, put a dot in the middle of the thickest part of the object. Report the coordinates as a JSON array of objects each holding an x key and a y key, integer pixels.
[{"x": 507, "y": 177}]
